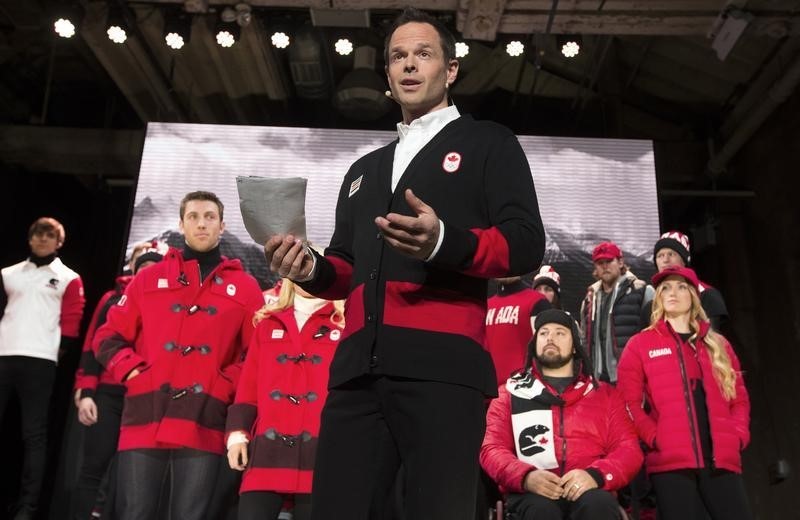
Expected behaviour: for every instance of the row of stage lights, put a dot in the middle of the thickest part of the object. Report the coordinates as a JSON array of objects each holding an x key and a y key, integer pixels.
[{"x": 177, "y": 32}]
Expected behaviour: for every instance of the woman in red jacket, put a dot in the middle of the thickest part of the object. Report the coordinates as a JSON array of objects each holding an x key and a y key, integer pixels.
[
  {"x": 273, "y": 424},
  {"x": 699, "y": 411}
]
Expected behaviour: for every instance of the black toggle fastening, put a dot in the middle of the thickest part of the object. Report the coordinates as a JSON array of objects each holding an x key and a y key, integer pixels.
[
  {"x": 289, "y": 440},
  {"x": 185, "y": 350},
  {"x": 196, "y": 388},
  {"x": 293, "y": 398},
  {"x": 194, "y": 309},
  {"x": 313, "y": 359}
]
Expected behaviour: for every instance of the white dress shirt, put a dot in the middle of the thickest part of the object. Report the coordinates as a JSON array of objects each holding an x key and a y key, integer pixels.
[{"x": 413, "y": 138}]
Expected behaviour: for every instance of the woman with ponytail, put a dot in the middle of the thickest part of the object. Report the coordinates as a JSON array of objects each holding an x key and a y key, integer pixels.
[
  {"x": 684, "y": 389},
  {"x": 273, "y": 425}
]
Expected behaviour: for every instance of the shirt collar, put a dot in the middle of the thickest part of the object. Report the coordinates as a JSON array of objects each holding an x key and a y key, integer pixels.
[{"x": 431, "y": 121}]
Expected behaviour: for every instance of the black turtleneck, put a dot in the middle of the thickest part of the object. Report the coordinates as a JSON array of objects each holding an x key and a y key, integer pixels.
[
  {"x": 39, "y": 261},
  {"x": 559, "y": 383},
  {"x": 207, "y": 260}
]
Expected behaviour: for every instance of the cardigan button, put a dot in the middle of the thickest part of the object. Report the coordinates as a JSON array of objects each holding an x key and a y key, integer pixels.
[{"x": 373, "y": 274}]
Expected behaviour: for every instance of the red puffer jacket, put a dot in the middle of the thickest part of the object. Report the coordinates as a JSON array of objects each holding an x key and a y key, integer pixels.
[
  {"x": 280, "y": 397},
  {"x": 591, "y": 430},
  {"x": 653, "y": 367},
  {"x": 187, "y": 339}
]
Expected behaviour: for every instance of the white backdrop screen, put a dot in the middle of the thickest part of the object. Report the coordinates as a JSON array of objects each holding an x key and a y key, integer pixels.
[{"x": 589, "y": 190}]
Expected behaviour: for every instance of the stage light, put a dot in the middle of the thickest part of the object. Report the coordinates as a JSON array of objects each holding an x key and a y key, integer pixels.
[
  {"x": 515, "y": 48},
  {"x": 116, "y": 25},
  {"x": 66, "y": 18},
  {"x": 64, "y": 27},
  {"x": 227, "y": 34},
  {"x": 177, "y": 28},
  {"x": 462, "y": 49},
  {"x": 280, "y": 39},
  {"x": 343, "y": 46},
  {"x": 116, "y": 34},
  {"x": 175, "y": 40},
  {"x": 570, "y": 45}
]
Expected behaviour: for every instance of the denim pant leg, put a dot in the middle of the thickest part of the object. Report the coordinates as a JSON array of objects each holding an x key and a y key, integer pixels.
[
  {"x": 140, "y": 478},
  {"x": 192, "y": 480}
]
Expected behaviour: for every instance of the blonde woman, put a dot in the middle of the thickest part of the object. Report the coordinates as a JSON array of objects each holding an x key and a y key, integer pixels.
[
  {"x": 696, "y": 421},
  {"x": 273, "y": 424}
]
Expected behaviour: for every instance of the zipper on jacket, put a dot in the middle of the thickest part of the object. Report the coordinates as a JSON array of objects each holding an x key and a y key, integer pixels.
[
  {"x": 702, "y": 378},
  {"x": 563, "y": 440},
  {"x": 688, "y": 399}
]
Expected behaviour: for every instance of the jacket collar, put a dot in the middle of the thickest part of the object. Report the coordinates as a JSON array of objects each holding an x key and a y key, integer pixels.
[
  {"x": 665, "y": 328},
  {"x": 531, "y": 385}
]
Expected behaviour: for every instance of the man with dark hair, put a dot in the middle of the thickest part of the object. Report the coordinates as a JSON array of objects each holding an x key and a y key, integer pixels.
[
  {"x": 411, "y": 15},
  {"x": 177, "y": 339},
  {"x": 409, "y": 380},
  {"x": 201, "y": 196},
  {"x": 557, "y": 441},
  {"x": 41, "y": 305}
]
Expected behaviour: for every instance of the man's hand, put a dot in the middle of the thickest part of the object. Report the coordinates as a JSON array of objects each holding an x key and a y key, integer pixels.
[
  {"x": 87, "y": 411},
  {"x": 412, "y": 236},
  {"x": 545, "y": 483},
  {"x": 286, "y": 257},
  {"x": 575, "y": 483},
  {"x": 237, "y": 456},
  {"x": 133, "y": 373}
]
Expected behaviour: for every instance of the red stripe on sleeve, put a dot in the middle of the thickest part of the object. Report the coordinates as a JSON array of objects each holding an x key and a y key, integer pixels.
[
  {"x": 491, "y": 259},
  {"x": 72, "y": 309}
]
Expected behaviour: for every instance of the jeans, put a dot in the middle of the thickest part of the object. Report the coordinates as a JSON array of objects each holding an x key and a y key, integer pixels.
[{"x": 141, "y": 474}]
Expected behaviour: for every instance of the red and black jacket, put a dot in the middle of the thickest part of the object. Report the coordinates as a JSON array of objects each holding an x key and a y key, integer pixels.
[
  {"x": 187, "y": 339},
  {"x": 425, "y": 320},
  {"x": 280, "y": 397},
  {"x": 90, "y": 374},
  {"x": 655, "y": 366},
  {"x": 508, "y": 326}
]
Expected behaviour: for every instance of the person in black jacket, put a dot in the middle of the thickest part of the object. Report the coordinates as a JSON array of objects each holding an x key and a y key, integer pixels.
[
  {"x": 421, "y": 224},
  {"x": 611, "y": 311},
  {"x": 673, "y": 249}
]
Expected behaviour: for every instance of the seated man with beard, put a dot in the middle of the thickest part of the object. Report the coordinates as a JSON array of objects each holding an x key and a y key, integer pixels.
[{"x": 557, "y": 441}]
